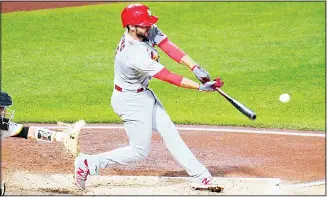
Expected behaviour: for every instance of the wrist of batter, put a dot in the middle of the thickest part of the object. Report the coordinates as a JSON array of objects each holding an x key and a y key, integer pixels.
[
  {"x": 196, "y": 65},
  {"x": 187, "y": 83},
  {"x": 189, "y": 62}
]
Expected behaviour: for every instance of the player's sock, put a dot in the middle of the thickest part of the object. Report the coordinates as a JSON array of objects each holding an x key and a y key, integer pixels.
[
  {"x": 47, "y": 135},
  {"x": 23, "y": 133}
]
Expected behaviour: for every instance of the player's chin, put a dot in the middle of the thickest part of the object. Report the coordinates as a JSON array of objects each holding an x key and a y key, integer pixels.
[
  {"x": 147, "y": 33},
  {"x": 145, "y": 38}
]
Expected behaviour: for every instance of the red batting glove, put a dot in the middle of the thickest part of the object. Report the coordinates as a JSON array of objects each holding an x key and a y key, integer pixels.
[{"x": 219, "y": 83}]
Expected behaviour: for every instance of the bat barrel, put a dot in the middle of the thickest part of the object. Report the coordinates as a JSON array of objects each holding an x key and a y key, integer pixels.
[
  {"x": 245, "y": 110},
  {"x": 239, "y": 106},
  {"x": 253, "y": 116}
]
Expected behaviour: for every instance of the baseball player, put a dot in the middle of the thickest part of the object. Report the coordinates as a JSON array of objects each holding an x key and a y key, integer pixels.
[
  {"x": 69, "y": 137},
  {"x": 136, "y": 62}
]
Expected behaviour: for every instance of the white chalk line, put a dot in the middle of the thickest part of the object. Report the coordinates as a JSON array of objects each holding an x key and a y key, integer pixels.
[
  {"x": 274, "y": 181},
  {"x": 310, "y": 184},
  {"x": 226, "y": 130},
  {"x": 154, "y": 179}
]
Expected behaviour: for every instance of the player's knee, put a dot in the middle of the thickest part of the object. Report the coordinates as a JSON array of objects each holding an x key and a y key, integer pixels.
[{"x": 142, "y": 152}]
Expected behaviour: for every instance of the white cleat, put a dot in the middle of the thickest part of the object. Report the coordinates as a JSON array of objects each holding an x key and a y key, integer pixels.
[
  {"x": 71, "y": 141},
  {"x": 81, "y": 171},
  {"x": 207, "y": 184}
]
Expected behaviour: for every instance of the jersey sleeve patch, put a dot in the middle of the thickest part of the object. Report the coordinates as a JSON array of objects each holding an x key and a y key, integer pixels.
[{"x": 157, "y": 35}]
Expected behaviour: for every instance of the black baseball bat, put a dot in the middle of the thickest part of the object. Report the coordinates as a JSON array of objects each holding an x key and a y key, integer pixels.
[{"x": 239, "y": 106}]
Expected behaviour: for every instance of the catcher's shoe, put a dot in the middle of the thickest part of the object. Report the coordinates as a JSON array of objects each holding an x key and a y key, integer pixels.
[
  {"x": 70, "y": 141},
  {"x": 81, "y": 171},
  {"x": 206, "y": 184},
  {"x": 13, "y": 129}
]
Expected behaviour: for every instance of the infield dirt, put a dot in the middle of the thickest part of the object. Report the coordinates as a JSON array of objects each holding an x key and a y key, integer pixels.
[{"x": 244, "y": 163}]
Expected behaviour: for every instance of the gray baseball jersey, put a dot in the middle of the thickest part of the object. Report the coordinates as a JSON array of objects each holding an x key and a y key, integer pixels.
[{"x": 136, "y": 62}]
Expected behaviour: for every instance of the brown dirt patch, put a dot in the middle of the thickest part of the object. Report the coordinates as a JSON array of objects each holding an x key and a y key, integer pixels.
[{"x": 292, "y": 158}]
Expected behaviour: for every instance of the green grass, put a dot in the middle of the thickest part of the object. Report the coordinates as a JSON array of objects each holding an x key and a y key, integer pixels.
[{"x": 58, "y": 64}]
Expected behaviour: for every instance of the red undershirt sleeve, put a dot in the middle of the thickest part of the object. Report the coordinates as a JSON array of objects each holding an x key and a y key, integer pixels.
[
  {"x": 172, "y": 78},
  {"x": 171, "y": 50}
]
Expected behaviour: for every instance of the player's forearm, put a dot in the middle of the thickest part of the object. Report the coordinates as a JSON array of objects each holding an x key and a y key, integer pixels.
[
  {"x": 187, "y": 83},
  {"x": 177, "y": 54},
  {"x": 188, "y": 61},
  {"x": 172, "y": 50},
  {"x": 175, "y": 79}
]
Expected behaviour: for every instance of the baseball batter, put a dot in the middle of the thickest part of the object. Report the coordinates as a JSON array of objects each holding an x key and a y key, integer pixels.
[{"x": 136, "y": 62}]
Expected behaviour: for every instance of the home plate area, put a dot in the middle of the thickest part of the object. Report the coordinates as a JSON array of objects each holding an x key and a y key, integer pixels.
[
  {"x": 62, "y": 184},
  {"x": 294, "y": 165}
]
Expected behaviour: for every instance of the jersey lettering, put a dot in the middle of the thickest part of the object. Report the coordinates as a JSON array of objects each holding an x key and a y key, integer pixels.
[{"x": 121, "y": 45}]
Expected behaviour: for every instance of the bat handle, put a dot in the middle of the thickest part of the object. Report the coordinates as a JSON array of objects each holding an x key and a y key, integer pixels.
[{"x": 222, "y": 92}]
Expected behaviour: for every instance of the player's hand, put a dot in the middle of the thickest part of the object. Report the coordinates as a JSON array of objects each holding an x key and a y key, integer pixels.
[
  {"x": 219, "y": 83},
  {"x": 211, "y": 85},
  {"x": 201, "y": 74}
]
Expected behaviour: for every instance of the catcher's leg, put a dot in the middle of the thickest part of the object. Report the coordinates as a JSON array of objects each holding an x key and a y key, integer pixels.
[
  {"x": 35, "y": 133},
  {"x": 12, "y": 129},
  {"x": 69, "y": 136}
]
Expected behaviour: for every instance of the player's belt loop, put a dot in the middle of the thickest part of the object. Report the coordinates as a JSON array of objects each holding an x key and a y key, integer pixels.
[
  {"x": 121, "y": 89},
  {"x": 118, "y": 88},
  {"x": 139, "y": 90}
]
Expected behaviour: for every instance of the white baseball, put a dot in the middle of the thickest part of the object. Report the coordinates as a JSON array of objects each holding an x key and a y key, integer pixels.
[{"x": 284, "y": 98}]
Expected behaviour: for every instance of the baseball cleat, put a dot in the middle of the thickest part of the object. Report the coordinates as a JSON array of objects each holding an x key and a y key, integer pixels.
[
  {"x": 70, "y": 141},
  {"x": 81, "y": 171},
  {"x": 206, "y": 184}
]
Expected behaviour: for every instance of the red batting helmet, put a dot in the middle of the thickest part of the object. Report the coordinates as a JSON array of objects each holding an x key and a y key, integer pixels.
[{"x": 137, "y": 14}]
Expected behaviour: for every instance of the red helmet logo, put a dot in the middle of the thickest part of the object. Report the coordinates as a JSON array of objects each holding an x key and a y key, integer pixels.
[{"x": 137, "y": 14}]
